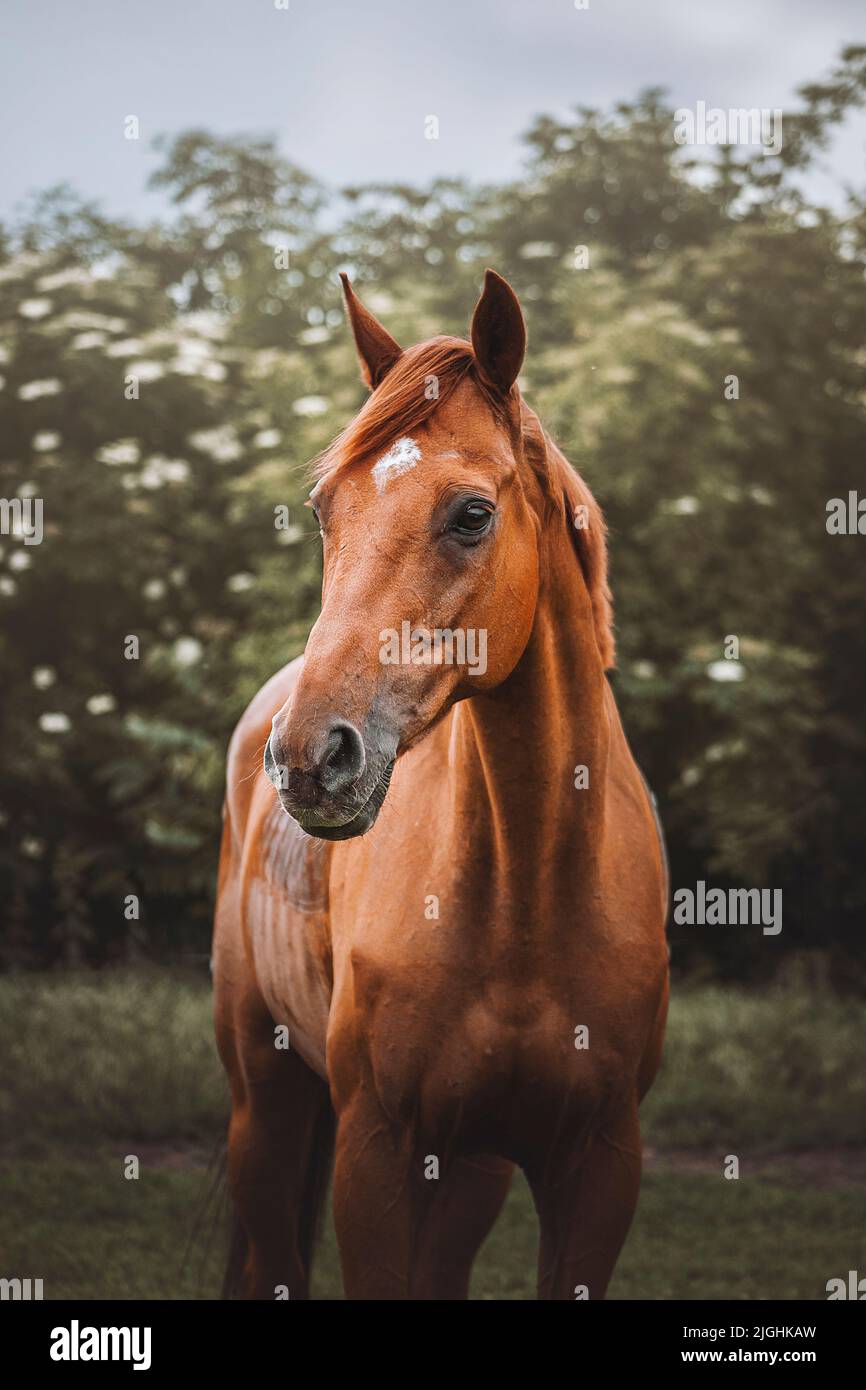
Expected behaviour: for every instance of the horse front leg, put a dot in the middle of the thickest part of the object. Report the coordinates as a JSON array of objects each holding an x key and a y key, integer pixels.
[
  {"x": 585, "y": 1195},
  {"x": 470, "y": 1194},
  {"x": 408, "y": 1228},
  {"x": 379, "y": 1202}
]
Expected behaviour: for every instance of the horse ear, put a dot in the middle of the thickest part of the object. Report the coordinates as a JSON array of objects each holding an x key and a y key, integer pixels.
[
  {"x": 377, "y": 350},
  {"x": 498, "y": 332}
]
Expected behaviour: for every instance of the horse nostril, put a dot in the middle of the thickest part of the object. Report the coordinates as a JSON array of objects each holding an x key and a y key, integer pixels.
[
  {"x": 275, "y": 771},
  {"x": 344, "y": 758},
  {"x": 269, "y": 760}
]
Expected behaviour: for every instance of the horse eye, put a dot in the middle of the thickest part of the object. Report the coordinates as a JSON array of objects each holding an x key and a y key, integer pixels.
[{"x": 473, "y": 518}]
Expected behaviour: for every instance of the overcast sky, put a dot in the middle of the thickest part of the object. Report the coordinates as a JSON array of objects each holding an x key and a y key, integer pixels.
[{"x": 345, "y": 85}]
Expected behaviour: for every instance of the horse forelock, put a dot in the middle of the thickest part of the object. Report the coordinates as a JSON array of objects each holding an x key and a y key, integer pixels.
[{"x": 420, "y": 381}]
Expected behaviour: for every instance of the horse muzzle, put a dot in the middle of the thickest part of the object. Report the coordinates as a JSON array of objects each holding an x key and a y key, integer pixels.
[{"x": 334, "y": 790}]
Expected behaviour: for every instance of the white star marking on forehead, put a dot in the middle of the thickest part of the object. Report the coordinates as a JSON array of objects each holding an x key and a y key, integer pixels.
[{"x": 399, "y": 459}]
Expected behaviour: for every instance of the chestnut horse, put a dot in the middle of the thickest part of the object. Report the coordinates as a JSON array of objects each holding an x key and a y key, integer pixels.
[{"x": 440, "y": 935}]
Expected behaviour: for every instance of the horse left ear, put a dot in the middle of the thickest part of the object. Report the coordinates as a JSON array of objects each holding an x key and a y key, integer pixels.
[
  {"x": 377, "y": 350},
  {"x": 498, "y": 332}
]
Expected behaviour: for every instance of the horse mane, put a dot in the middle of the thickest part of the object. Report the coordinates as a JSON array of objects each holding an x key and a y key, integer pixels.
[
  {"x": 584, "y": 520},
  {"x": 403, "y": 401},
  {"x": 590, "y": 542}
]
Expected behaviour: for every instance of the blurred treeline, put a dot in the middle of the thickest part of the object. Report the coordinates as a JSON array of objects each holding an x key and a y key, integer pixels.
[{"x": 161, "y": 499}]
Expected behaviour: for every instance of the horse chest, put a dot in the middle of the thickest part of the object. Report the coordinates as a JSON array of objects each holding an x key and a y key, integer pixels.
[{"x": 496, "y": 1062}]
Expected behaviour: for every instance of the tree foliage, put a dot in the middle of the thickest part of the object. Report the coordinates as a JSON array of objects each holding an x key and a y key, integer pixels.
[{"x": 164, "y": 387}]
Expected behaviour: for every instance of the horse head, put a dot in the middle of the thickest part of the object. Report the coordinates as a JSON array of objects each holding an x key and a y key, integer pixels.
[{"x": 435, "y": 506}]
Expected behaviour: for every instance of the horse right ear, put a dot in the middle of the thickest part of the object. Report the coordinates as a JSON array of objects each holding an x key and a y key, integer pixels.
[
  {"x": 498, "y": 333},
  {"x": 377, "y": 350}
]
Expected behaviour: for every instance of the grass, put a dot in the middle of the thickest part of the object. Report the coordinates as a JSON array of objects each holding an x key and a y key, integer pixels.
[
  {"x": 760, "y": 1072},
  {"x": 98, "y": 1067},
  {"x": 89, "y": 1233},
  {"x": 131, "y": 1056},
  {"x": 112, "y": 1056}
]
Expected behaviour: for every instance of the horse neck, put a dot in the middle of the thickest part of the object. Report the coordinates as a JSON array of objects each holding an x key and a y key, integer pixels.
[{"x": 515, "y": 750}]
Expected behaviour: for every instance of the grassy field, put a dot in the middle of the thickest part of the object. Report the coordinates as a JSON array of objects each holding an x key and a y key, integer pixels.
[{"x": 99, "y": 1067}]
